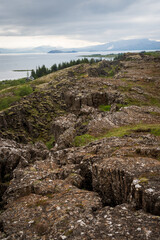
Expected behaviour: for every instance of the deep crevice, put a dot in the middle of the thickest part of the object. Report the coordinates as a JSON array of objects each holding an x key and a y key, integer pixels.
[
  {"x": 6, "y": 176},
  {"x": 87, "y": 182},
  {"x": 1, "y": 226}
]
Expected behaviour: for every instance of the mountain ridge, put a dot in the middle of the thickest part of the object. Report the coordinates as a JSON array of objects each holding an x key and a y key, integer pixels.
[
  {"x": 121, "y": 45},
  {"x": 127, "y": 45}
]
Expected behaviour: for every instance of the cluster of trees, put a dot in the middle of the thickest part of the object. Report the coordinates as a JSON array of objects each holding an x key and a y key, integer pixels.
[
  {"x": 42, "y": 71},
  {"x": 119, "y": 56}
]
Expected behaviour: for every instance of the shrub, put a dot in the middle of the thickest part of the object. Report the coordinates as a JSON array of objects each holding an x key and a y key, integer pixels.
[
  {"x": 7, "y": 101},
  {"x": 23, "y": 91}
]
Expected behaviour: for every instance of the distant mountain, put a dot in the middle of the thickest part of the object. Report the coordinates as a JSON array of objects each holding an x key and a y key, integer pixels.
[
  {"x": 122, "y": 45},
  {"x": 6, "y": 50},
  {"x": 40, "y": 49},
  {"x": 44, "y": 49},
  {"x": 125, "y": 45}
]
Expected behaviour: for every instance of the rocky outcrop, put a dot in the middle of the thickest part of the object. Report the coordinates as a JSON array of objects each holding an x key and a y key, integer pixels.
[
  {"x": 88, "y": 192},
  {"x": 131, "y": 180},
  {"x": 13, "y": 154},
  {"x": 120, "y": 171},
  {"x": 61, "y": 124},
  {"x": 106, "y": 189},
  {"x": 75, "y": 101},
  {"x": 30, "y": 118},
  {"x": 74, "y": 220}
]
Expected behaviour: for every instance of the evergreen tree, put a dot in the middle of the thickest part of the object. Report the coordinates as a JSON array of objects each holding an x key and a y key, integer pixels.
[
  {"x": 42, "y": 71},
  {"x": 54, "y": 68},
  {"x": 33, "y": 74}
]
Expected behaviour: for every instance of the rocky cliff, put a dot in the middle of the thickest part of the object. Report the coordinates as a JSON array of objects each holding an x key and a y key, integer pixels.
[{"x": 99, "y": 177}]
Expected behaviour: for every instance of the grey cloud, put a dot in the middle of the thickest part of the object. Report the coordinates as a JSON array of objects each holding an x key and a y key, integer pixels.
[{"x": 102, "y": 20}]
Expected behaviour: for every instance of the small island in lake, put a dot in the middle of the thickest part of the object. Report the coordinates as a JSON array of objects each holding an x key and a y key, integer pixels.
[{"x": 60, "y": 51}]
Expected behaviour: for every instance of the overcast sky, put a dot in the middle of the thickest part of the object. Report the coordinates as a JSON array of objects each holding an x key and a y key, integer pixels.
[{"x": 76, "y": 23}]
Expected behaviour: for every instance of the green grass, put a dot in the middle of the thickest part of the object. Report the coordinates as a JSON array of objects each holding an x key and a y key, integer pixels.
[
  {"x": 83, "y": 140},
  {"x": 119, "y": 105},
  {"x": 104, "y": 56},
  {"x": 154, "y": 54},
  {"x": 12, "y": 91},
  {"x": 155, "y": 131},
  {"x": 10, "y": 83},
  {"x": 143, "y": 180},
  {"x": 23, "y": 91},
  {"x": 8, "y": 90},
  {"x": 111, "y": 73},
  {"x": 14, "y": 94},
  {"x": 7, "y": 101},
  {"x": 155, "y": 113},
  {"x": 154, "y": 101},
  {"x": 39, "y": 81},
  {"x": 149, "y": 100},
  {"x": 50, "y": 143},
  {"x": 125, "y": 130},
  {"x": 118, "y": 132},
  {"x": 137, "y": 102},
  {"x": 104, "y": 108}
]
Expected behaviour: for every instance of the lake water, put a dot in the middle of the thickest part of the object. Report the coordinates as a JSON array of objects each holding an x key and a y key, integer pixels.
[{"x": 10, "y": 62}]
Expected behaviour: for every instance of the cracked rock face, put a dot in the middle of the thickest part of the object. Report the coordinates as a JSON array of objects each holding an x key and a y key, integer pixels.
[
  {"x": 129, "y": 180},
  {"x": 92, "y": 192},
  {"x": 106, "y": 189}
]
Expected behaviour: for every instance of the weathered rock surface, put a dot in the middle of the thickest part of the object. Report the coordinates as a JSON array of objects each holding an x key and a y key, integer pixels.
[
  {"x": 45, "y": 198},
  {"x": 13, "y": 154},
  {"x": 107, "y": 189},
  {"x": 128, "y": 180}
]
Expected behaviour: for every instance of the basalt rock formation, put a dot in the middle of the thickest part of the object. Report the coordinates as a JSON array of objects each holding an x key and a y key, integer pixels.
[{"x": 101, "y": 177}]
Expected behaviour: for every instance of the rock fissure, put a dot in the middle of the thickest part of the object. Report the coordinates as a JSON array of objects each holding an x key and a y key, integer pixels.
[{"x": 100, "y": 180}]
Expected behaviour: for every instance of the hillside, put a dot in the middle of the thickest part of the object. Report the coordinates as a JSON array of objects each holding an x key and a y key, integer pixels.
[{"x": 80, "y": 152}]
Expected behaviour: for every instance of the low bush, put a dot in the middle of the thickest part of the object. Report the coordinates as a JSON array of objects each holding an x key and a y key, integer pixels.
[
  {"x": 23, "y": 91},
  {"x": 7, "y": 101}
]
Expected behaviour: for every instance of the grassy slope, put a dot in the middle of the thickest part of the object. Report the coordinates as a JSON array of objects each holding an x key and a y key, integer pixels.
[{"x": 12, "y": 91}]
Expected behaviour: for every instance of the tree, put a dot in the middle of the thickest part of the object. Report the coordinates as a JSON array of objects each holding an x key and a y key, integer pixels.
[
  {"x": 33, "y": 74},
  {"x": 54, "y": 68}
]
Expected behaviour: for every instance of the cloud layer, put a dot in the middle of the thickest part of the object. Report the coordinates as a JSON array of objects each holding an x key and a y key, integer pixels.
[{"x": 89, "y": 20}]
